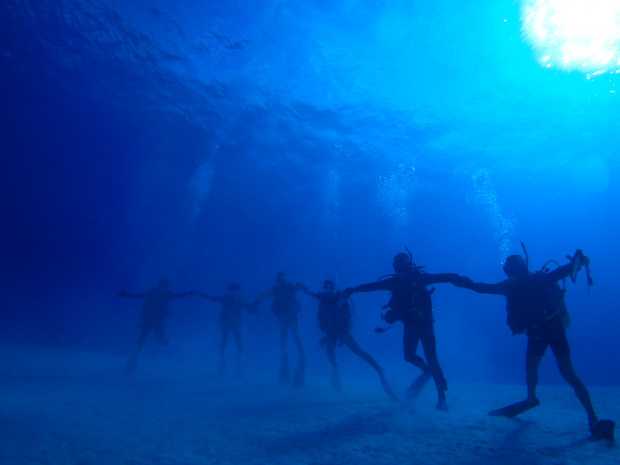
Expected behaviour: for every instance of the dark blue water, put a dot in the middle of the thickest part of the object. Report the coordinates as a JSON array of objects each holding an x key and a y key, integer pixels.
[{"x": 223, "y": 143}]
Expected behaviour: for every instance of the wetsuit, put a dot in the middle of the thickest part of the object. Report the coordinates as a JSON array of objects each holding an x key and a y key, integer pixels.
[
  {"x": 286, "y": 308},
  {"x": 154, "y": 312},
  {"x": 535, "y": 306},
  {"x": 411, "y": 303},
  {"x": 230, "y": 317},
  {"x": 334, "y": 319},
  {"x": 334, "y": 316}
]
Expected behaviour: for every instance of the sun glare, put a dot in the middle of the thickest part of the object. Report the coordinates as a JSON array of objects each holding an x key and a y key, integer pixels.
[{"x": 571, "y": 35}]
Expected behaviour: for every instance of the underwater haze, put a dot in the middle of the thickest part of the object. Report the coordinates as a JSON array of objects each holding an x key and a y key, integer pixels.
[{"x": 212, "y": 143}]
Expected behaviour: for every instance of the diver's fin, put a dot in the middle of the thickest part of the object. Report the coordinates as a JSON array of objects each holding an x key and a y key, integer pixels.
[
  {"x": 386, "y": 386},
  {"x": 130, "y": 366},
  {"x": 300, "y": 375},
  {"x": 285, "y": 375},
  {"x": 442, "y": 405},
  {"x": 240, "y": 367},
  {"x": 515, "y": 409},
  {"x": 221, "y": 367},
  {"x": 417, "y": 386},
  {"x": 336, "y": 382},
  {"x": 603, "y": 429}
]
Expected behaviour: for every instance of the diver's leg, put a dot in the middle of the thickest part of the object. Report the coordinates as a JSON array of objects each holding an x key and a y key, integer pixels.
[
  {"x": 300, "y": 371},
  {"x": 298, "y": 343},
  {"x": 429, "y": 345},
  {"x": 144, "y": 332},
  {"x": 330, "y": 347},
  {"x": 236, "y": 330},
  {"x": 561, "y": 350},
  {"x": 130, "y": 366},
  {"x": 351, "y": 343},
  {"x": 566, "y": 368},
  {"x": 284, "y": 371},
  {"x": 411, "y": 336},
  {"x": 223, "y": 341},
  {"x": 159, "y": 332},
  {"x": 224, "y": 330},
  {"x": 410, "y": 346},
  {"x": 531, "y": 375},
  {"x": 536, "y": 348}
]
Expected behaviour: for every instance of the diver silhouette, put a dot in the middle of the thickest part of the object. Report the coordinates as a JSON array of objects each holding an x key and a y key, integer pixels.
[
  {"x": 230, "y": 318},
  {"x": 286, "y": 308},
  {"x": 154, "y": 312},
  {"x": 334, "y": 318},
  {"x": 411, "y": 304},
  {"x": 536, "y": 307}
]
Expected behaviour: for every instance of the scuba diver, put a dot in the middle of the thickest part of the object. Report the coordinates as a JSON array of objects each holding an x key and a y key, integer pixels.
[
  {"x": 154, "y": 312},
  {"x": 411, "y": 304},
  {"x": 286, "y": 308},
  {"x": 230, "y": 321},
  {"x": 535, "y": 306},
  {"x": 334, "y": 319}
]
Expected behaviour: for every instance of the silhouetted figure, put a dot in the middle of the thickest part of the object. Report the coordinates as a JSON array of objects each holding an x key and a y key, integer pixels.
[
  {"x": 154, "y": 312},
  {"x": 335, "y": 320},
  {"x": 230, "y": 318},
  {"x": 535, "y": 305},
  {"x": 286, "y": 308},
  {"x": 411, "y": 304}
]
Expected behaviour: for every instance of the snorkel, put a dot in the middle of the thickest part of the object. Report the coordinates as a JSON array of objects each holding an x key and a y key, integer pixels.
[{"x": 527, "y": 256}]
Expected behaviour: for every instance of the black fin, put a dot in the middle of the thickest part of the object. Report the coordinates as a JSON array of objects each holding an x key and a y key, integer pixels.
[
  {"x": 130, "y": 366},
  {"x": 417, "y": 386},
  {"x": 284, "y": 372},
  {"x": 515, "y": 409},
  {"x": 300, "y": 375},
  {"x": 604, "y": 429}
]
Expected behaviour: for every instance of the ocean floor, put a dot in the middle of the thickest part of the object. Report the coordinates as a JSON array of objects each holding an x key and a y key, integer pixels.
[{"x": 70, "y": 407}]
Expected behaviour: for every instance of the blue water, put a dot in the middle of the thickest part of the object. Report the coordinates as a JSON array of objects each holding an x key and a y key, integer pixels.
[{"x": 219, "y": 142}]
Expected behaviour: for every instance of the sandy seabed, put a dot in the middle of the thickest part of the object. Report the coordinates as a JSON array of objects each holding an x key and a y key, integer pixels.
[{"x": 70, "y": 407}]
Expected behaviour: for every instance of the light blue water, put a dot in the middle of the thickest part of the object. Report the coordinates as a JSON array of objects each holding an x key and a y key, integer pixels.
[{"x": 219, "y": 143}]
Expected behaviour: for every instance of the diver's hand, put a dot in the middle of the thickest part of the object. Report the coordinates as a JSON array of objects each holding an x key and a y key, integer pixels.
[
  {"x": 462, "y": 281},
  {"x": 584, "y": 260}
]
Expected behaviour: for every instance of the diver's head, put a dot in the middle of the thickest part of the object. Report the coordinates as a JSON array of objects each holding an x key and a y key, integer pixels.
[
  {"x": 234, "y": 290},
  {"x": 163, "y": 283},
  {"x": 402, "y": 263},
  {"x": 329, "y": 286},
  {"x": 515, "y": 266},
  {"x": 281, "y": 277}
]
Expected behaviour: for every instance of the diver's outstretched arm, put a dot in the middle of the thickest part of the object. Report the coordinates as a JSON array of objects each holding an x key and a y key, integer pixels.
[
  {"x": 213, "y": 298},
  {"x": 182, "y": 294},
  {"x": 382, "y": 285},
  {"x": 314, "y": 295},
  {"x": 571, "y": 269},
  {"x": 265, "y": 295},
  {"x": 500, "y": 288},
  {"x": 132, "y": 296}
]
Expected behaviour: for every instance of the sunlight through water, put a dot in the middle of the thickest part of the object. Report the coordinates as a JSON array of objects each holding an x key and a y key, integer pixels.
[{"x": 574, "y": 35}]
